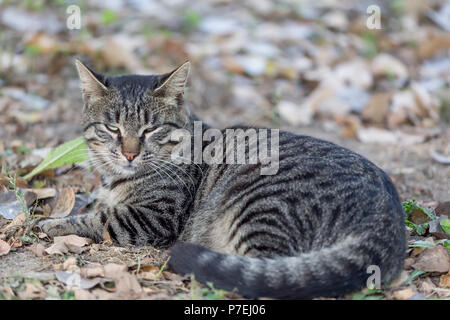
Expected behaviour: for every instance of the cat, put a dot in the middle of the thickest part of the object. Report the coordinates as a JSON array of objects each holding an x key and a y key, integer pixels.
[{"x": 310, "y": 230}]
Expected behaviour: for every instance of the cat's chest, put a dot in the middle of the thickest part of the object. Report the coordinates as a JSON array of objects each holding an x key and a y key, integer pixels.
[{"x": 115, "y": 196}]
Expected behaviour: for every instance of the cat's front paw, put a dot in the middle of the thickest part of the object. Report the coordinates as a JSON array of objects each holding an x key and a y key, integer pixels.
[{"x": 52, "y": 227}]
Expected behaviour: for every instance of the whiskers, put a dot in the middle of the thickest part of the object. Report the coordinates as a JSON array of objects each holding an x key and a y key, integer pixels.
[{"x": 175, "y": 173}]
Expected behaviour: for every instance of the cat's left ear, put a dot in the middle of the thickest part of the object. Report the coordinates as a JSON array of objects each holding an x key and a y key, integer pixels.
[
  {"x": 92, "y": 85},
  {"x": 174, "y": 82}
]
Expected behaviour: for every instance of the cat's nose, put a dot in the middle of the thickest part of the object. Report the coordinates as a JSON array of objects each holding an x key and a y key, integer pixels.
[{"x": 129, "y": 155}]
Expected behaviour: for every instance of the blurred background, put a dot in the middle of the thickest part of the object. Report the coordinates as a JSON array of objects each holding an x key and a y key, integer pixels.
[{"x": 376, "y": 82}]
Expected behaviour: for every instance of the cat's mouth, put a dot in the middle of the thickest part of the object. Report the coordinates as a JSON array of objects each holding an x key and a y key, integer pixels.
[{"x": 129, "y": 167}]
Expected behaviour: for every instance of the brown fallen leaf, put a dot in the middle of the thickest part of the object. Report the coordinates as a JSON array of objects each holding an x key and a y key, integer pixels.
[
  {"x": 350, "y": 125},
  {"x": 19, "y": 220},
  {"x": 443, "y": 209},
  {"x": 43, "y": 193},
  {"x": 82, "y": 294},
  {"x": 38, "y": 249},
  {"x": 20, "y": 183},
  {"x": 15, "y": 243},
  {"x": 403, "y": 294},
  {"x": 127, "y": 286},
  {"x": 69, "y": 262},
  {"x": 114, "y": 269},
  {"x": 104, "y": 295},
  {"x": 4, "y": 248},
  {"x": 31, "y": 292},
  {"x": 73, "y": 239},
  {"x": 93, "y": 270},
  {"x": 63, "y": 205},
  {"x": 377, "y": 108},
  {"x": 57, "y": 248},
  {"x": 149, "y": 275},
  {"x": 418, "y": 217},
  {"x": 73, "y": 279},
  {"x": 428, "y": 48},
  {"x": 434, "y": 259},
  {"x": 76, "y": 249},
  {"x": 427, "y": 286},
  {"x": 445, "y": 281}
]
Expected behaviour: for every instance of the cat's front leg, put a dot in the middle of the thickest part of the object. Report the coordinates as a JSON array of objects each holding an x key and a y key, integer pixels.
[
  {"x": 88, "y": 225},
  {"x": 123, "y": 224}
]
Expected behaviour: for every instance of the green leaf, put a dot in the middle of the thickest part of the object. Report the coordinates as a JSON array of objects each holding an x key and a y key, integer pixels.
[
  {"x": 421, "y": 244},
  {"x": 414, "y": 274},
  {"x": 445, "y": 224},
  {"x": 367, "y": 294},
  {"x": 68, "y": 153}
]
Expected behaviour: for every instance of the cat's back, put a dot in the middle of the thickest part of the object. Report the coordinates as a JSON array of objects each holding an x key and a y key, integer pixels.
[
  {"x": 304, "y": 164},
  {"x": 317, "y": 180}
]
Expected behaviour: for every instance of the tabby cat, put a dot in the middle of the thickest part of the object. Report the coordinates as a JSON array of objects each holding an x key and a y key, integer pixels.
[{"x": 310, "y": 230}]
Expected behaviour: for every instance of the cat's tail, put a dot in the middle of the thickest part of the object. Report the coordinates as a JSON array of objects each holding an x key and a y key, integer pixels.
[{"x": 331, "y": 271}]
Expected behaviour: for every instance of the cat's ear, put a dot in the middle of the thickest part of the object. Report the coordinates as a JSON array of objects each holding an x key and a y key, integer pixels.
[
  {"x": 92, "y": 84},
  {"x": 173, "y": 83}
]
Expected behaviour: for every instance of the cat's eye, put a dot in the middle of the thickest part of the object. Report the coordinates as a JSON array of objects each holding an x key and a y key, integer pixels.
[{"x": 112, "y": 128}]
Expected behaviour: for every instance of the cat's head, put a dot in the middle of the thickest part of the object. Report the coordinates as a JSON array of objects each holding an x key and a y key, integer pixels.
[{"x": 128, "y": 120}]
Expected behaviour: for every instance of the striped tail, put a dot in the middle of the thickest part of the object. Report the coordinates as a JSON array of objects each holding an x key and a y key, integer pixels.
[{"x": 324, "y": 273}]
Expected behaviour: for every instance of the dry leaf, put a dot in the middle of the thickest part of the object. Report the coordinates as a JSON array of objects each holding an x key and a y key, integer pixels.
[
  {"x": 38, "y": 249},
  {"x": 4, "y": 248},
  {"x": 443, "y": 209},
  {"x": 377, "y": 108},
  {"x": 403, "y": 294},
  {"x": 31, "y": 292},
  {"x": 434, "y": 259},
  {"x": 445, "y": 281},
  {"x": 128, "y": 286},
  {"x": 57, "y": 248},
  {"x": 112, "y": 270},
  {"x": 64, "y": 203},
  {"x": 418, "y": 216},
  {"x": 20, "y": 183},
  {"x": 16, "y": 243},
  {"x": 150, "y": 275},
  {"x": 93, "y": 270},
  {"x": 73, "y": 240},
  {"x": 82, "y": 294},
  {"x": 427, "y": 286},
  {"x": 70, "y": 262},
  {"x": 43, "y": 193},
  {"x": 73, "y": 279},
  {"x": 19, "y": 220},
  {"x": 104, "y": 295}
]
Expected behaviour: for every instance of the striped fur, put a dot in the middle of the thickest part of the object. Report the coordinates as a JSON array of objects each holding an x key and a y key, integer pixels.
[{"x": 310, "y": 230}]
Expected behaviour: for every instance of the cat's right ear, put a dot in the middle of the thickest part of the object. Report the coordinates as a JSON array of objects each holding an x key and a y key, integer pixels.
[{"x": 92, "y": 85}]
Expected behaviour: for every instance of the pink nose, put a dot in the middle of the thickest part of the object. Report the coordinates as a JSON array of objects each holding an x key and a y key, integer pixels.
[{"x": 130, "y": 155}]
